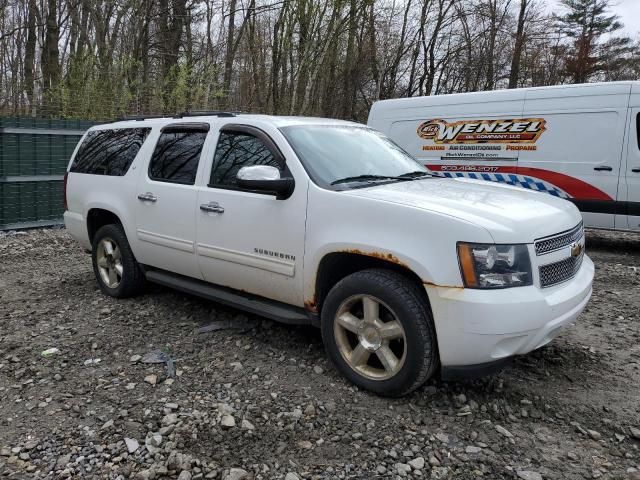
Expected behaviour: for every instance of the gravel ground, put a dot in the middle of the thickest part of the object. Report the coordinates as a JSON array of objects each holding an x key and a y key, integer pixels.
[{"x": 263, "y": 401}]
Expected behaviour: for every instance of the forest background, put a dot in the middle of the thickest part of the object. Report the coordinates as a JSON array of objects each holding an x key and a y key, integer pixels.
[{"x": 100, "y": 59}]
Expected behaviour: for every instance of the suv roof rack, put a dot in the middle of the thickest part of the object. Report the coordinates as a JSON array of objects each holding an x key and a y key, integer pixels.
[
  {"x": 138, "y": 118},
  {"x": 204, "y": 113},
  {"x": 216, "y": 113}
]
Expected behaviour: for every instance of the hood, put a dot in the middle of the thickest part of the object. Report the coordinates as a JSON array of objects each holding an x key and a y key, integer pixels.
[{"x": 510, "y": 214}]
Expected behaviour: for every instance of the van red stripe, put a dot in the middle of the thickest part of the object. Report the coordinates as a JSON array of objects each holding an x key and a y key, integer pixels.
[{"x": 573, "y": 186}]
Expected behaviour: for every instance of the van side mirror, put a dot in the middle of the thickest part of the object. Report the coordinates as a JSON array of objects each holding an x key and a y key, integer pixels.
[{"x": 265, "y": 178}]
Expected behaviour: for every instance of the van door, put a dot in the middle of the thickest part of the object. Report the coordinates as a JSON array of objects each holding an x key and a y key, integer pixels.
[
  {"x": 579, "y": 155},
  {"x": 631, "y": 180},
  {"x": 472, "y": 135},
  {"x": 166, "y": 200},
  {"x": 483, "y": 147}
]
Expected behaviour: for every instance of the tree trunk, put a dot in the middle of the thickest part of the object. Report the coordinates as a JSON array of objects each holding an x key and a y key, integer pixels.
[
  {"x": 228, "y": 57},
  {"x": 350, "y": 64},
  {"x": 50, "y": 65},
  {"x": 30, "y": 52},
  {"x": 514, "y": 74}
]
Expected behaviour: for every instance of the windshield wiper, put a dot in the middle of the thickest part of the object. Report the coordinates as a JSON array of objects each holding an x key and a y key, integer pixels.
[
  {"x": 364, "y": 178},
  {"x": 416, "y": 174}
]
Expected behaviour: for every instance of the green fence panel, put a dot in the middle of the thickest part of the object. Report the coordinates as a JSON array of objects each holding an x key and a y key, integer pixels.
[
  {"x": 30, "y": 203},
  {"x": 34, "y": 153}
]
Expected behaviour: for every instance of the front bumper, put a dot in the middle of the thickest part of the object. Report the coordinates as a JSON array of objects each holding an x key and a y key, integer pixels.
[
  {"x": 483, "y": 326},
  {"x": 457, "y": 373}
]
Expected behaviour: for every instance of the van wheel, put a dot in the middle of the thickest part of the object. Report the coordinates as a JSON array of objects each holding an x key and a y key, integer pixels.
[
  {"x": 114, "y": 265},
  {"x": 378, "y": 331}
]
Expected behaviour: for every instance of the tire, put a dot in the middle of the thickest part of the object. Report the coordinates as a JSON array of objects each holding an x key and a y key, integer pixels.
[
  {"x": 348, "y": 340},
  {"x": 129, "y": 278}
]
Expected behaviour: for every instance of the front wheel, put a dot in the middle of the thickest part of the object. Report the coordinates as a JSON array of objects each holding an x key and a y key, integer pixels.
[
  {"x": 115, "y": 267},
  {"x": 378, "y": 331}
]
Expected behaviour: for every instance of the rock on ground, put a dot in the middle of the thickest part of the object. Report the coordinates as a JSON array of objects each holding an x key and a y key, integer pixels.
[{"x": 78, "y": 421}]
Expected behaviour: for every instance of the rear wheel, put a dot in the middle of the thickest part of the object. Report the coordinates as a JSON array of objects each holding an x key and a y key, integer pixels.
[
  {"x": 378, "y": 331},
  {"x": 116, "y": 269}
]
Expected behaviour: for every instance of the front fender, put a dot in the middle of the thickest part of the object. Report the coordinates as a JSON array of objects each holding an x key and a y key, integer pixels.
[{"x": 422, "y": 241}]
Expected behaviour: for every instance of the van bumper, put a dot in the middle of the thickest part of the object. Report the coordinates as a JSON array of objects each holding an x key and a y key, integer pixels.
[
  {"x": 77, "y": 227},
  {"x": 478, "y": 328}
]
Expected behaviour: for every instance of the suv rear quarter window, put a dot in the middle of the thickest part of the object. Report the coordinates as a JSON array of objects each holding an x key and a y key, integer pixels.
[
  {"x": 177, "y": 154},
  {"x": 109, "y": 152}
]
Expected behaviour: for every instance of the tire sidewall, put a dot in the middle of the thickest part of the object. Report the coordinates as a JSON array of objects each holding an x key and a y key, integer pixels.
[{"x": 417, "y": 347}]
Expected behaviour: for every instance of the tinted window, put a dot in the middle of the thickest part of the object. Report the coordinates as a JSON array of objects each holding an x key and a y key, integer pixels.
[
  {"x": 234, "y": 151},
  {"x": 176, "y": 157},
  {"x": 109, "y": 152}
]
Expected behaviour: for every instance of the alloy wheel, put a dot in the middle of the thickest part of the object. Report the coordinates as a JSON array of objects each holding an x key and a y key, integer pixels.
[
  {"x": 370, "y": 337},
  {"x": 109, "y": 260}
]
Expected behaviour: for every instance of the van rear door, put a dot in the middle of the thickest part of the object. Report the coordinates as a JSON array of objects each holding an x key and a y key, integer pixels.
[
  {"x": 579, "y": 155},
  {"x": 630, "y": 183}
]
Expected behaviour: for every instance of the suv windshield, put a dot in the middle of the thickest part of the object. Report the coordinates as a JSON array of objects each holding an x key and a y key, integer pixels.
[{"x": 347, "y": 156}]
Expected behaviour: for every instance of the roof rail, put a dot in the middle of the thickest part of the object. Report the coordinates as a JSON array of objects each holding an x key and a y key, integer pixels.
[
  {"x": 213, "y": 113},
  {"x": 216, "y": 113},
  {"x": 138, "y": 118}
]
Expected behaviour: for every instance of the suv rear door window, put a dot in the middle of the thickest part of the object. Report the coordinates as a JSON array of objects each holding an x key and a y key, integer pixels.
[
  {"x": 109, "y": 152},
  {"x": 177, "y": 153},
  {"x": 234, "y": 151}
]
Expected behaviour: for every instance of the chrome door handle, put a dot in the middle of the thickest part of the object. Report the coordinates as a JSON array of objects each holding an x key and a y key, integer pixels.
[
  {"x": 213, "y": 207},
  {"x": 604, "y": 168},
  {"x": 147, "y": 197}
]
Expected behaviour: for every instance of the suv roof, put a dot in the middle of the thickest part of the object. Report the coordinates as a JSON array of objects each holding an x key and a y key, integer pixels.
[{"x": 276, "y": 121}]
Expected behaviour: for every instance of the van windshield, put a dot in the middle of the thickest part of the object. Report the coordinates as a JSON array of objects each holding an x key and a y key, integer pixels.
[{"x": 340, "y": 157}]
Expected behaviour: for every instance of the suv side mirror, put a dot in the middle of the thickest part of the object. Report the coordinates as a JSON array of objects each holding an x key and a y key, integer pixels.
[{"x": 265, "y": 178}]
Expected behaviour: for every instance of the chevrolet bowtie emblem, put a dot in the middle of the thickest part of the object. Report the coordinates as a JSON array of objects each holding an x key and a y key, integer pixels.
[{"x": 576, "y": 249}]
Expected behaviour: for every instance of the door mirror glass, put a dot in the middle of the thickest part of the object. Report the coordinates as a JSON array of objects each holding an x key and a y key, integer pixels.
[
  {"x": 258, "y": 172},
  {"x": 265, "y": 178}
]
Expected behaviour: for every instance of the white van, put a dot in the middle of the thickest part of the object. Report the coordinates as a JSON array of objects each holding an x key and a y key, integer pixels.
[{"x": 579, "y": 142}]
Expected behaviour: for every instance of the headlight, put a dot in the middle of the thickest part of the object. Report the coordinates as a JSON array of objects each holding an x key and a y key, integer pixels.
[{"x": 494, "y": 266}]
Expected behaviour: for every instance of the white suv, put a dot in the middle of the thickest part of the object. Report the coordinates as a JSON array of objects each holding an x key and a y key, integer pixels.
[{"x": 330, "y": 223}]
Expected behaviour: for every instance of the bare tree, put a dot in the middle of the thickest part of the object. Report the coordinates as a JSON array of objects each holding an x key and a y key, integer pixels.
[
  {"x": 106, "y": 58},
  {"x": 519, "y": 40}
]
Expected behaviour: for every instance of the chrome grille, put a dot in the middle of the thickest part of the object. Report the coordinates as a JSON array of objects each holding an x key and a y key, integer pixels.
[
  {"x": 558, "y": 241},
  {"x": 561, "y": 271}
]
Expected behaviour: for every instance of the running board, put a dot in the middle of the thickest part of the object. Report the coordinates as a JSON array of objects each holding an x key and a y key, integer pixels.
[{"x": 277, "y": 311}]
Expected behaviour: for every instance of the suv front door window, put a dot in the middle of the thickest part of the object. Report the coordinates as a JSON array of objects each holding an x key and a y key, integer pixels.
[{"x": 234, "y": 151}]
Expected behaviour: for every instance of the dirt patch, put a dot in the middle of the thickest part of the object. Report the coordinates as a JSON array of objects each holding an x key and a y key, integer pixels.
[{"x": 264, "y": 400}]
